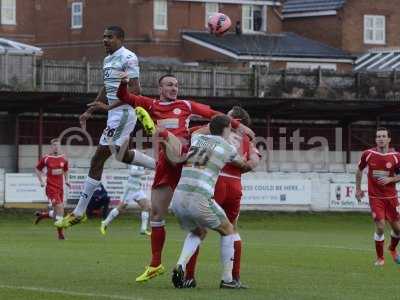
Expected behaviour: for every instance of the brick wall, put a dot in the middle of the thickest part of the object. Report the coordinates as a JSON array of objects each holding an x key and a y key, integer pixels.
[
  {"x": 325, "y": 29},
  {"x": 24, "y": 30},
  {"x": 346, "y": 29},
  {"x": 353, "y": 23}
]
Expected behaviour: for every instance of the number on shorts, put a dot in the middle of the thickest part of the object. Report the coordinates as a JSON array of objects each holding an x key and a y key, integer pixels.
[{"x": 109, "y": 132}]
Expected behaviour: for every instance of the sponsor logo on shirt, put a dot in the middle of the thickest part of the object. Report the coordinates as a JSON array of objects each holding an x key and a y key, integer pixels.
[
  {"x": 169, "y": 123},
  {"x": 56, "y": 171},
  {"x": 380, "y": 173}
]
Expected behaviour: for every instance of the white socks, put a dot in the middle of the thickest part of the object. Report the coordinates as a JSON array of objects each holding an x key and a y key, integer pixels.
[
  {"x": 111, "y": 216},
  {"x": 141, "y": 159},
  {"x": 236, "y": 237},
  {"x": 227, "y": 254},
  {"x": 89, "y": 187},
  {"x": 52, "y": 214},
  {"x": 145, "y": 220},
  {"x": 379, "y": 238},
  {"x": 189, "y": 248}
]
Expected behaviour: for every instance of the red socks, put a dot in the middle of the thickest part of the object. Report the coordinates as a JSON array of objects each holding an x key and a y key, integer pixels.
[
  {"x": 191, "y": 265},
  {"x": 236, "y": 259},
  {"x": 394, "y": 241},
  {"x": 60, "y": 232},
  {"x": 379, "y": 249},
  {"x": 157, "y": 244}
]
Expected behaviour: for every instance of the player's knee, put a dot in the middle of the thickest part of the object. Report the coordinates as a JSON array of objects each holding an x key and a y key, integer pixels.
[
  {"x": 380, "y": 227},
  {"x": 200, "y": 232},
  {"x": 226, "y": 228}
]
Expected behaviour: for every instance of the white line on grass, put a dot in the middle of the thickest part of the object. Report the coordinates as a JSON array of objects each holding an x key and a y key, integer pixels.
[{"x": 63, "y": 292}]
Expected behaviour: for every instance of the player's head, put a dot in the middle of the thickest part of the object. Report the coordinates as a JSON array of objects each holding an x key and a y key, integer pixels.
[
  {"x": 113, "y": 38},
  {"x": 220, "y": 125},
  {"x": 168, "y": 85},
  {"x": 240, "y": 114},
  {"x": 55, "y": 146},
  {"x": 382, "y": 137}
]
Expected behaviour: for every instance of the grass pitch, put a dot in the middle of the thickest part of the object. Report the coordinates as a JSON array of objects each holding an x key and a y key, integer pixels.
[{"x": 285, "y": 256}]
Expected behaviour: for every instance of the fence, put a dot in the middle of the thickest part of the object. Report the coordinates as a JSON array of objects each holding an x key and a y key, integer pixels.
[
  {"x": 25, "y": 73},
  {"x": 85, "y": 77}
]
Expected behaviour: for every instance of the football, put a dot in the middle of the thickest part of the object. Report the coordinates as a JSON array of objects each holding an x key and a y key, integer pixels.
[{"x": 219, "y": 24}]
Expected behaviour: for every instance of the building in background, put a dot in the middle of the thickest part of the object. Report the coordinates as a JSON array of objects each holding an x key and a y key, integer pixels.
[{"x": 163, "y": 31}]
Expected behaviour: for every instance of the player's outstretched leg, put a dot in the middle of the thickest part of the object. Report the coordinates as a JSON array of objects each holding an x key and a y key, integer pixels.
[
  {"x": 78, "y": 215},
  {"x": 144, "y": 118},
  {"x": 91, "y": 183}
]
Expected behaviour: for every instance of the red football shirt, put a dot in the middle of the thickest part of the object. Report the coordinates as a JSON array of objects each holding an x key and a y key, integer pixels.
[
  {"x": 173, "y": 116},
  {"x": 56, "y": 166},
  {"x": 380, "y": 165}
]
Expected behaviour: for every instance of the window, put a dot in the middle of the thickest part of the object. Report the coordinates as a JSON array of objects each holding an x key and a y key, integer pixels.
[
  {"x": 160, "y": 14},
  {"x": 374, "y": 29},
  {"x": 211, "y": 8},
  {"x": 254, "y": 18},
  {"x": 76, "y": 15},
  {"x": 8, "y": 12}
]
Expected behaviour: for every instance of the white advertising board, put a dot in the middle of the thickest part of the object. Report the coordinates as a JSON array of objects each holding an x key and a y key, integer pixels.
[
  {"x": 342, "y": 196},
  {"x": 23, "y": 188},
  {"x": 114, "y": 183},
  {"x": 275, "y": 192}
]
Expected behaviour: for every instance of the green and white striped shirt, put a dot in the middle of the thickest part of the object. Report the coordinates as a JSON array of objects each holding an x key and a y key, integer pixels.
[{"x": 206, "y": 157}]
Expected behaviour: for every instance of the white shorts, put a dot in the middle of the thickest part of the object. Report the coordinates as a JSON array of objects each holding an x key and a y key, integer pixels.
[
  {"x": 120, "y": 123},
  {"x": 194, "y": 210},
  {"x": 133, "y": 196}
]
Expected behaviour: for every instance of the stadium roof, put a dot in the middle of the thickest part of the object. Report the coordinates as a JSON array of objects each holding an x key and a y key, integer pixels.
[
  {"x": 13, "y": 47},
  {"x": 290, "y": 109},
  {"x": 386, "y": 60},
  {"x": 305, "y": 8},
  {"x": 267, "y": 46}
]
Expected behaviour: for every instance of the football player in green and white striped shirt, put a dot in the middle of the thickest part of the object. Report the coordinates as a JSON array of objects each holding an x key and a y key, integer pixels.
[
  {"x": 133, "y": 192},
  {"x": 192, "y": 201}
]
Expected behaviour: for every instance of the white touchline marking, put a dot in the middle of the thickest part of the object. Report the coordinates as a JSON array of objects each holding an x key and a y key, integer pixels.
[{"x": 63, "y": 292}]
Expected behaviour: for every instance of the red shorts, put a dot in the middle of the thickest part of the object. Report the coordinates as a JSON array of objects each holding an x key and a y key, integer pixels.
[
  {"x": 55, "y": 196},
  {"x": 166, "y": 174},
  {"x": 228, "y": 193},
  {"x": 385, "y": 209}
]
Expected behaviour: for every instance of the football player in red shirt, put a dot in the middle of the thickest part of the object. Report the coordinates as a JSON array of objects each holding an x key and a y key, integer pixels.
[
  {"x": 173, "y": 115},
  {"x": 56, "y": 171},
  {"x": 382, "y": 164}
]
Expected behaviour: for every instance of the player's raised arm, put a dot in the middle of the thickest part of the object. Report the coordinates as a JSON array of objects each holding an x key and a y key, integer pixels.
[
  {"x": 206, "y": 112},
  {"x": 134, "y": 100}
]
